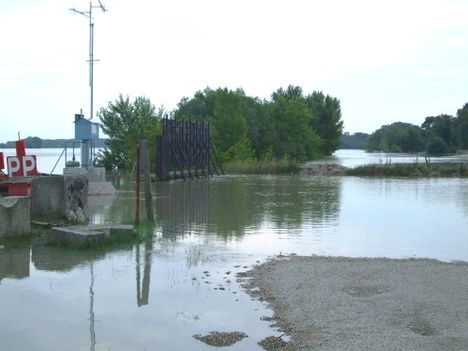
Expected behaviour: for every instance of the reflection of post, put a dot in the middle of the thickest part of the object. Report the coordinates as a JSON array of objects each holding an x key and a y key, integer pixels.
[
  {"x": 147, "y": 177},
  {"x": 91, "y": 311},
  {"x": 143, "y": 290}
]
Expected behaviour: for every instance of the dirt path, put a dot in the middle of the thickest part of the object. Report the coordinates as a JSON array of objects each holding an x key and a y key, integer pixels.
[{"x": 341, "y": 303}]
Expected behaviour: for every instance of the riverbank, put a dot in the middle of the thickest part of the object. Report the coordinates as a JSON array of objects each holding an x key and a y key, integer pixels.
[
  {"x": 272, "y": 166},
  {"x": 327, "y": 303},
  {"x": 410, "y": 170}
]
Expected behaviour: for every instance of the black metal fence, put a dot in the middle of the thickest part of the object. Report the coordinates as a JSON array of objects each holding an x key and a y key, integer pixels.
[{"x": 184, "y": 150}]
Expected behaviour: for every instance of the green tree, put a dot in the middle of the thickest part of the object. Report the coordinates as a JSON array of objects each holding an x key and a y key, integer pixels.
[
  {"x": 126, "y": 123},
  {"x": 397, "y": 137},
  {"x": 353, "y": 141},
  {"x": 440, "y": 133},
  {"x": 287, "y": 125},
  {"x": 224, "y": 110},
  {"x": 294, "y": 137},
  {"x": 462, "y": 127},
  {"x": 326, "y": 120}
]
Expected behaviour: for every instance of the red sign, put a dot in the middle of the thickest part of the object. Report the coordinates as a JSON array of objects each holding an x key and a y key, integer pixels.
[{"x": 22, "y": 166}]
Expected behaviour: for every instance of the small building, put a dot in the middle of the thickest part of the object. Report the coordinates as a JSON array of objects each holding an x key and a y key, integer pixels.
[{"x": 88, "y": 133}]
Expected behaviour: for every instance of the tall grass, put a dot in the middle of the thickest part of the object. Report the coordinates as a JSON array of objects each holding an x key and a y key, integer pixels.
[{"x": 410, "y": 170}]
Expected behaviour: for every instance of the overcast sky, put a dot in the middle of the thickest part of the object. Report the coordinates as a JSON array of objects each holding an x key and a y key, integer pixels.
[{"x": 386, "y": 61}]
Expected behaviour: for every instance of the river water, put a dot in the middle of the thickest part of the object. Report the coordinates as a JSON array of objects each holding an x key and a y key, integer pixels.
[{"x": 156, "y": 295}]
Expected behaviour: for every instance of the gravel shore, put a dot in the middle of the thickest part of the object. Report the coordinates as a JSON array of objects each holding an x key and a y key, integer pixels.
[{"x": 338, "y": 303}]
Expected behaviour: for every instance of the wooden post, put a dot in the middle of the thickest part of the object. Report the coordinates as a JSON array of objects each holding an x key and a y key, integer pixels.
[
  {"x": 137, "y": 204},
  {"x": 147, "y": 177}
]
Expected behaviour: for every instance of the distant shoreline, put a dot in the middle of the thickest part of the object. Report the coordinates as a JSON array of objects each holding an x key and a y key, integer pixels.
[{"x": 38, "y": 143}]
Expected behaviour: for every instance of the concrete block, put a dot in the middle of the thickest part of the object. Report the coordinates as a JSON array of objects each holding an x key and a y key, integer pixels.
[
  {"x": 77, "y": 236},
  {"x": 91, "y": 234},
  {"x": 15, "y": 216},
  {"x": 47, "y": 196}
]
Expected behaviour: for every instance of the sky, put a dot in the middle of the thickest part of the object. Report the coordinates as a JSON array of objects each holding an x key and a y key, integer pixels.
[{"x": 386, "y": 61}]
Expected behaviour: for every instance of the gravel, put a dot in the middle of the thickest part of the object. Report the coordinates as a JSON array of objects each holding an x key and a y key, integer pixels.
[
  {"x": 339, "y": 303},
  {"x": 220, "y": 339}
]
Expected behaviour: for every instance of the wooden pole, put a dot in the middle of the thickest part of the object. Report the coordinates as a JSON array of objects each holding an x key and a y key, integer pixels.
[
  {"x": 137, "y": 204},
  {"x": 147, "y": 177}
]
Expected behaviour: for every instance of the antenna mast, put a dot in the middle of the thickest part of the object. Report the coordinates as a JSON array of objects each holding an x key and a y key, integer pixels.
[{"x": 89, "y": 14}]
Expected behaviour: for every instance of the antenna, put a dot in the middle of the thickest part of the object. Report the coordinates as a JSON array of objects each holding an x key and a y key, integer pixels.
[{"x": 89, "y": 14}]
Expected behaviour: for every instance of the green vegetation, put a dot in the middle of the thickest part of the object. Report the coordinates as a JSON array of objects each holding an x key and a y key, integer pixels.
[
  {"x": 353, "y": 141},
  {"x": 410, "y": 170},
  {"x": 437, "y": 135},
  {"x": 247, "y": 133},
  {"x": 290, "y": 125},
  {"x": 126, "y": 123},
  {"x": 273, "y": 166}
]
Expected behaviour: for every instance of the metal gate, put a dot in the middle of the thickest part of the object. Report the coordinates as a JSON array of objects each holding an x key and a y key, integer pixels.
[{"x": 184, "y": 150}]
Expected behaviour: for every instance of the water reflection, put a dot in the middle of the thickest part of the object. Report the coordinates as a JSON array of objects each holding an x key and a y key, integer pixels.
[
  {"x": 182, "y": 205},
  {"x": 57, "y": 259},
  {"x": 14, "y": 262},
  {"x": 232, "y": 206},
  {"x": 143, "y": 288},
  {"x": 180, "y": 282}
]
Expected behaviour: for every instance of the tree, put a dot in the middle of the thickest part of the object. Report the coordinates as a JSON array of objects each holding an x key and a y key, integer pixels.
[
  {"x": 440, "y": 127},
  {"x": 354, "y": 141},
  {"x": 397, "y": 137},
  {"x": 224, "y": 110},
  {"x": 126, "y": 123},
  {"x": 287, "y": 125},
  {"x": 325, "y": 119},
  {"x": 462, "y": 127},
  {"x": 294, "y": 137}
]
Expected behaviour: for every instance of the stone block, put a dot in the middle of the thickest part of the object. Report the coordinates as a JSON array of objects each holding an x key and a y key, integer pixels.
[
  {"x": 15, "y": 216},
  {"x": 90, "y": 235},
  {"x": 77, "y": 236}
]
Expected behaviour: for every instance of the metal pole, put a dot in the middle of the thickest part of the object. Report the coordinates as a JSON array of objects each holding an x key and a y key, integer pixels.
[{"x": 89, "y": 14}]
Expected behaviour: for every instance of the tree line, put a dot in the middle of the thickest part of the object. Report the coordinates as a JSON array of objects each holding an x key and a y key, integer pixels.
[
  {"x": 289, "y": 125},
  {"x": 437, "y": 135}
]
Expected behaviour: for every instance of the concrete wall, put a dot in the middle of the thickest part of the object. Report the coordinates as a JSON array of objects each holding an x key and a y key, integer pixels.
[
  {"x": 54, "y": 197},
  {"x": 15, "y": 216},
  {"x": 95, "y": 174},
  {"x": 47, "y": 197}
]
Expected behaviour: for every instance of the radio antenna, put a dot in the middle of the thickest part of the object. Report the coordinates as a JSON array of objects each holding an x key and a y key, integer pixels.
[{"x": 89, "y": 14}]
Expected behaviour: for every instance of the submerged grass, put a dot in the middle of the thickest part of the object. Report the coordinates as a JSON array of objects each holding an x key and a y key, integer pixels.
[
  {"x": 410, "y": 170},
  {"x": 283, "y": 166}
]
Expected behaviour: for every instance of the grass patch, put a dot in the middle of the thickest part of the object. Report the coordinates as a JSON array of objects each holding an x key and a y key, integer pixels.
[
  {"x": 410, "y": 170},
  {"x": 283, "y": 166}
]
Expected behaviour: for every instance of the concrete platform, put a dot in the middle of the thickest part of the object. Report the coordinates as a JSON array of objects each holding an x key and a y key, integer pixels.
[{"x": 90, "y": 235}]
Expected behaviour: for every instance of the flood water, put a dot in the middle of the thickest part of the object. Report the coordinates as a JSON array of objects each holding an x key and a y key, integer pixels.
[{"x": 181, "y": 282}]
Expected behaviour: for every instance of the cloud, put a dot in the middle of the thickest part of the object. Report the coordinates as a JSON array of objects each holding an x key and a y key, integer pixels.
[{"x": 169, "y": 49}]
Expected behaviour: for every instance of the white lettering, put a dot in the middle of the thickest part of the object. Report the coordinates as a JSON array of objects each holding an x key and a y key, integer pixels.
[
  {"x": 13, "y": 165},
  {"x": 29, "y": 164}
]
